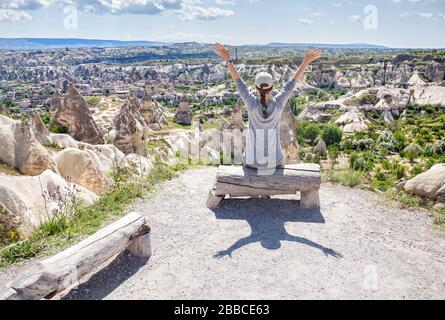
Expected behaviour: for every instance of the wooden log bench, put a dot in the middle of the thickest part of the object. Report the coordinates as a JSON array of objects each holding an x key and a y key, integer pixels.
[
  {"x": 238, "y": 181},
  {"x": 60, "y": 272}
]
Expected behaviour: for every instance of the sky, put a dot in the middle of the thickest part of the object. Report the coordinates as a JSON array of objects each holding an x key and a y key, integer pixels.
[{"x": 394, "y": 23}]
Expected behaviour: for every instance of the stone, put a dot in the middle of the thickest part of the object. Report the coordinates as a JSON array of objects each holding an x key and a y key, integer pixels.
[
  {"x": 83, "y": 168},
  {"x": 429, "y": 184},
  {"x": 320, "y": 148},
  {"x": 141, "y": 165},
  {"x": 20, "y": 148},
  {"x": 27, "y": 202},
  {"x": 72, "y": 113}
]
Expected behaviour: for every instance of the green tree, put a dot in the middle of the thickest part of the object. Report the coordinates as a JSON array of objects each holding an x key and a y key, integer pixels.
[
  {"x": 331, "y": 134},
  {"x": 311, "y": 132}
]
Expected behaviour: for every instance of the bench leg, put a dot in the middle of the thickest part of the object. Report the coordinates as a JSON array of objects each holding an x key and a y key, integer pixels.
[
  {"x": 213, "y": 200},
  {"x": 141, "y": 246},
  {"x": 309, "y": 199}
]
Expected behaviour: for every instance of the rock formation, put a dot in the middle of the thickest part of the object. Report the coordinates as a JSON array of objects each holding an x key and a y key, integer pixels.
[
  {"x": 40, "y": 131},
  {"x": 184, "y": 114},
  {"x": 435, "y": 72},
  {"x": 129, "y": 130},
  {"x": 236, "y": 119},
  {"x": 27, "y": 202},
  {"x": 288, "y": 135},
  {"x": 20, "y": 149},
  {"x": 82, "y": 168},
  {"x": 430, "y": 184},
  {"x": 152, "y": 112},
  {"x": 353, "y": 121},
  {"x": 72, "y": 113}
]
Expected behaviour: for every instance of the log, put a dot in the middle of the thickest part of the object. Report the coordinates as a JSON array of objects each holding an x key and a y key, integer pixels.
[
  {"x": 213, "y": 200},
  {"x": 309, "y": 199},
  {"x": 61, "y": 271}
]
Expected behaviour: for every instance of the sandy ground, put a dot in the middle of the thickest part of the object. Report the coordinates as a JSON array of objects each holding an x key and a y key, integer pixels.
[{"x": 354, "y": 247}]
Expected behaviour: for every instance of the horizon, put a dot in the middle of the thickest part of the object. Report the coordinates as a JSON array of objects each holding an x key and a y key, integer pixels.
[
  {"x": 238, "y": 45},
  {"x": 414, "y": 24}
]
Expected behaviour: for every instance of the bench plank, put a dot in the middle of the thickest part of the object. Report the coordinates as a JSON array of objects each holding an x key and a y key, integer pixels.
[
  {"x": 287, "y": 179},
  {"x": 238, "y": 181}
]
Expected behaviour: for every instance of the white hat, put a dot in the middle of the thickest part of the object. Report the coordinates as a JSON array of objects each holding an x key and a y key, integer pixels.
[{"x": 264, "y": 78}]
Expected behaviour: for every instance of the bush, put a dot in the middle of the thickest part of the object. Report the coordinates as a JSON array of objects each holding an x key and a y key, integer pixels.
[
  {"x": 331, "y": 134},
  {"x": 58, "y": 129},
  {"x": 412, "y": 151},
  {"x": 346, "y": 178},
  {"x": 399, "y": 171},
  {"x": 400, "y": 139},
  {"x": 311, "y": 132}
]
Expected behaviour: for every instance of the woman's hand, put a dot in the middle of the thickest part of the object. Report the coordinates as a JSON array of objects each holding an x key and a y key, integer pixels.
[
  {"x": 311, "y": 56},
  {"x": 223, "y": 52}
]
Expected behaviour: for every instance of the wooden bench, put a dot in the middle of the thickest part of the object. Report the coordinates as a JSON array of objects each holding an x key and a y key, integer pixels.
[
  {"x": 237, "y": 181},
  {"x": 60, "y": 272}
]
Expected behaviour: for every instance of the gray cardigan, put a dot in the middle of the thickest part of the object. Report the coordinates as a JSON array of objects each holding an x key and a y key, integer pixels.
[{"x": 263, "y": 145}]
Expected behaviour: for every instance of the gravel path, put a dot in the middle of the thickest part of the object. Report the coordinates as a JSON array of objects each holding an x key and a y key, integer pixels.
[{"x": 353, "y": 248}]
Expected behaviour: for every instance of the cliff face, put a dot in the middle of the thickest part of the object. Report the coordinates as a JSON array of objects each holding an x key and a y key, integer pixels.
[{"x": 72, "y": 112}]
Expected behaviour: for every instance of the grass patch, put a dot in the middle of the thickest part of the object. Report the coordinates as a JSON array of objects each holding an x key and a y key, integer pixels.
[
  {"x": 404, "y": 199},
  {"x": 347, "y": 178},
  {"x": 7, "y": 169},
  {"x": 86, "y": 220}
]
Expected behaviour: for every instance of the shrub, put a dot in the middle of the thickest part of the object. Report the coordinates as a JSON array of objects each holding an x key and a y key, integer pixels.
[
  {"x": 346, "y": 178},
  {"x": 331, "y": 134},
  {"x": 399, "y": 171},
  {"x": 412, "y": 151},
  {"x": 58, "y": 129},
  {"x": 400, "y": 139},
  {"x": 311, "y": 132}
]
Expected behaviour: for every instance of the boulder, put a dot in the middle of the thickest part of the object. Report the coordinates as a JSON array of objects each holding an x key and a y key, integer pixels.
[
  {"x": 73, "y": 113},
  {"x": 83, "y": 168},
  {"x": 64, "y": 140},
  {"x": 320, "y": 148},
  {"x": 20, "y": 149},
  {"x": 139, "y": 164},
  {"x": 106, "y": 155},
  {"x": 27, "y": 202},
  {"x": 430, "y": 184}
]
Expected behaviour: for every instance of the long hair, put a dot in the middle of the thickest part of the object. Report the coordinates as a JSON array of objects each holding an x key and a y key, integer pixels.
[{"x": 263, "y": 93}]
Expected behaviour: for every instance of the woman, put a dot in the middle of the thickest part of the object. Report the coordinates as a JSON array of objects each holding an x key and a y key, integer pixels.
[{"x": 263, "y": 146}]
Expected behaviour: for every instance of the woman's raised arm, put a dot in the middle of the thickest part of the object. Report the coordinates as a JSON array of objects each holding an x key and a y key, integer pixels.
[
  {"x": 309, "y": 57},
  {"x": 225, "y": 54}
]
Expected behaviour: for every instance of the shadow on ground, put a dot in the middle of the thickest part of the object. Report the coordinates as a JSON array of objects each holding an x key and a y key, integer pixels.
[
  {"x": 267, "y": 219},
  {"x": 108, "y": 279}
]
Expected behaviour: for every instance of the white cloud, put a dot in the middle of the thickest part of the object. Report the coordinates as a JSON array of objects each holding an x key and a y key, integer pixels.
[
  {"x": 14, "y": 15},
  {"x": 185, "y": 9},
  {"x": 198, "y": 37},
  {"x": 225, "y": 2},
  {"x": 336, "y": 4},
  {"x": 426, "y": 15},
  {"x": 405, "y": 14},
  {"x": 354, "y": 18},
  {"x": 306, "y": 21}
]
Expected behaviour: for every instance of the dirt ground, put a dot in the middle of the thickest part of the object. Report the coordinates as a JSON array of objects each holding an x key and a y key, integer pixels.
[{"x": 354, "y": 247}]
